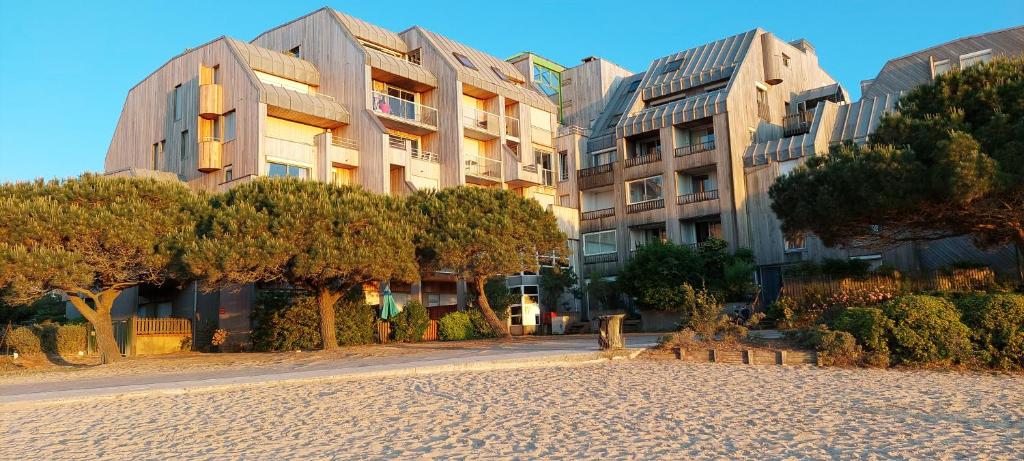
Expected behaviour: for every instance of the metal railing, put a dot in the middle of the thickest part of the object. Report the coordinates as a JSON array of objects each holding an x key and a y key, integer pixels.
[
  {"x": 595, "y": 170},
  {"x": 345, "y": 143},
  {"x": 483, "y": 167},
  {"x": 644, "y": 159},
  {"x": 480, "y": 120},
  {"x": 597, "y": 214},
  {"x": 423, "y": 155},
  {"x": 601, "y": 258},
  {"x": 645, "y": 205},
  {"x": 210, "y": 139},
  {"x": 697, "y": 197},
  {"x": 797, "y": 124},
  {"x": 695, "y": 148},
  {"x": 408, "y": 110},
  {"x": 511, "y": 126}
]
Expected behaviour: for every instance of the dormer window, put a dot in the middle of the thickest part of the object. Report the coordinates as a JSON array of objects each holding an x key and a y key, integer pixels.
[
  {"x": 633, "y": 86},
  {"x": 673, "y": 66},
  {"x": 978, "y": 57},
  {"x": 296, "y": 52},
  {"x": 413, "y": 56},
  {"x": 785, "y": 60},
  {"x": 941, "y": 67},
  {"x": 464, "y": 60}
]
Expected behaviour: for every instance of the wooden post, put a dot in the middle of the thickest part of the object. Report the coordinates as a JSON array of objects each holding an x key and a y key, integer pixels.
[
  {"x": 748, "y": 357},
  {"x": 780, "y": 357},
  {"x": 610, "y": 335},
  {"x": 714, "y": 355}
]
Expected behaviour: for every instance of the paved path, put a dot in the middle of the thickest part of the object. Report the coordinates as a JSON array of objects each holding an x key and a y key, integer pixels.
[{"x": 415, "y": 359}]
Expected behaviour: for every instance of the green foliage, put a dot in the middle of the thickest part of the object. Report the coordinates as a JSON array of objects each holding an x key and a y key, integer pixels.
[
  {"x": 64, "y": 340},
  {"x": 602, "y": 294},
  {"x": 837, "y": 349},
  {"x": 25, "y": 340},
  {"x": 926, "y": 330},
  {"x": 738, "y": 280},
  {"x": 702, "y": 313},
  {"x": 997, "y": 327},
  {"x": 499, "y": 297},
  {"x": 553, "y": 283},
  {"x": 48, "y": 308},
  {"x": 655, "y": 274},
  {"x": 783, "y": 312},
  {"x": 949, "y": 162},
  {"x": 410, "y": 324},
  {"x": 287, "y": 320},
  {"x": 456, "y": 326},
  {"x": 481, "y": 329},
  {"x": 869, "y": 326}
]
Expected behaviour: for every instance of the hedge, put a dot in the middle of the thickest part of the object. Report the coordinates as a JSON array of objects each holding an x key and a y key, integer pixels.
[
  {"x": 288, "y": 320},
  {"x": 997, "y": 328},
  {"x": 456, "y": 326},
  {"x": 410, "y": 324},
  {"x": 926, "y": 330}
]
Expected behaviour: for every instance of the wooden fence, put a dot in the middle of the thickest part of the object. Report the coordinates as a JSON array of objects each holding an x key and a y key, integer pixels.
[
  {"x": 384, "y": 332},
  {"x": 957, "y": 280},
  {"x": 169, "y": 326}
]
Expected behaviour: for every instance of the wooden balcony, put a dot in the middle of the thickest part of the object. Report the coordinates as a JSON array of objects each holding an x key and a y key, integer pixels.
[
  {"x": 695, "y": 148},
  {"x": 645, "y": 206},
  {"x": 482, "y": 170},
  {"x": 644, "y": 159},
  {"x": 480, "y": 124},
  {"x": 342, "y": 151},
  {"x": 697, "y": 197},
  {"x": 209, "y": 158},
  {"x": 211, "y": 101},
  {"x": 597, "y": 214},
  {"x": 797, "y": 124},
  {"x": 597, "y": 176},
  {"x": 402, "y": 115}
]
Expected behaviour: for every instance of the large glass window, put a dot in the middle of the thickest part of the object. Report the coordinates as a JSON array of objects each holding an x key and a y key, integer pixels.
[
  {"x": 643, "y": 190},
  {"x": 229, "y": 126},
  {"x": 179, "y": 102},
  {"x": 599, "y": 243},
  {"x": 284, "y": 170}
]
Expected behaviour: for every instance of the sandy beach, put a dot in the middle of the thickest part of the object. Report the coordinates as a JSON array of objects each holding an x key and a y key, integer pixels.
[{"x": 631, "y": 409}]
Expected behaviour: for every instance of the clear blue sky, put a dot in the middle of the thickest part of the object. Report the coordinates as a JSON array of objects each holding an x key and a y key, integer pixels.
[{"x": 65, "y": 67}]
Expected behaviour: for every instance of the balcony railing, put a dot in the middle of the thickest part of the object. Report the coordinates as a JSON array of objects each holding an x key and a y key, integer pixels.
[
  {"x": 595, "y": 170},
  {"x": 511, "y": 126},
  {"x": 344, "y": 143},
  {"x": 483, "y": 167},
  {"x": 645, "y": 206},
  {"x": 480, "y": 120},
  {"x": 530, "y": 168},
  {"x": 644, "y": 159},
  {"x": 423, "y": 155},
  {"x": 697, "y": 197},
  {"x": 547, "y": 176},
  {"x": 541, "y": 135},
  {"x": 762, "y": 111},
  {"x": 695, "y": 148},
  {"x": 597, "y": 214},
  {"x": 797, "y": 124},
  {"x": 602, "y": 258},
  {"x": 408, "y": 110}
]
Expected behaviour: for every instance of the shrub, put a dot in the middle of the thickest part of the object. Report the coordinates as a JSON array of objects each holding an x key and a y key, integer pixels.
[
  {"x": 24, "y": 340},
  {"x": 868, "y": 325},
  {"x": 481, "y": 328},
  {"x": 837, "y": 349},
  {"x": 685, "y": 339},
  {"x": 456, "y": 326},
  {"x": 702, "y": 314},
  {"x": 997, "y": 327},
  {"x": 356, "y": 323},
  {"x": 410, "y": 324},
  {"x": 70, "y": 339},
  {"x": 926, "y": 330},
  {"x": 782, "y": 312}
]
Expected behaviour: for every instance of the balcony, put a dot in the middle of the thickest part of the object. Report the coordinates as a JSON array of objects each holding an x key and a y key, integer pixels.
[
  {"x": 602, "y": 258},
  {"x": 210, "y": 101},
  {"x": 482, "y": 170},
  {"x": 645, "y": 206},
  {"x": 400, "y": 114},
  {"x": 402, "y": 151},
  {"x": 547, "y": 177},
  {"x": 511, "y": 127},
  {"x": 597, "y": 176},
  {"x": 697, "y": 197},
  {"x": 695, "y": 148},
  {"x": 644, "y": 159},
  {"x": 797, "y": 124},
  {"x": 597, "y": 214},
  {"x": 480, "y": 124},
  {"x": 542, "y": 136},
  {"x": 340, "y": 151},
  {"x": 209, "y": 158}
]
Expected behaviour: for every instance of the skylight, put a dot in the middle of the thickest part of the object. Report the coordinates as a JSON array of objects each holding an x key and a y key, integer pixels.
[{"x": 464, "y": 60}]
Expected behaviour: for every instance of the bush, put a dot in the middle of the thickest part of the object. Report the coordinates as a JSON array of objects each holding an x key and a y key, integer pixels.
[
  {"x": 997, "y": 327},
  {"x": 685, "y": 339},
  {"x": 837, "y": 349},
  {"x": 287, "y": 320},
  {"x": 64, "y": 340},
  {"x": 410, "y": 324},
  {"x": 356, "y": 323},
  {"x": 24, "y": 340},
  {"x": 783, "y": 312},
  {"x": 481, "y": 328},
  {"x": 926, "y": 330},
  {"x": 456, "y": 326},
  {"x": 868, "y": 325},
  {"x": 702, "y": 314}
]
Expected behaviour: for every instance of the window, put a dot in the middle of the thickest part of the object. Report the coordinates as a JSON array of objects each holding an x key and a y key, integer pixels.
[
  {"x": 563, "y": 165},
  {"x": 158, "y": 151},
  {"x": 941, "y": 67},
  {"x": 647, "y": 147},
  {"x": 702, "y": 183},
  {"x": 179, "y": 102},
  {"x": 414, "y": 56},
  {"x": 296, "y": 52},
  {"x": 563, "y": 200},
  {"x": 229, "y": 174},
  {"x": 705, "y": 230},
  {"x": 341, "y": 176},
  {"x": 796, "y": 243},
  {"x": 644, "y": 190},
  {"x": 633, "y": 86},
  {"x": 275, "y": 170},
  {"x": 184, "y": 143},
  {"x": 504, "y": 77},
  {"x": 673, "y": 66},
  {"x": 433, "y": 299},
  {"x": 599, "y": 243},
  {"x": 785, "y": 60},
  {"x": 229, "y": 126},
  {"x": 978, "y": 57},
  {"x": 464, "y": 60},
  {"x": 762, "y": 104}
]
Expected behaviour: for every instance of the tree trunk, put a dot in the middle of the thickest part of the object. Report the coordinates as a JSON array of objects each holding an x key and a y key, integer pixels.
[
  {"x": 1019, "y": 246},
  {"x": 101, "y": 323},
  {"x": 326, "y": 299},
  {"x": 500, "y": 328}
]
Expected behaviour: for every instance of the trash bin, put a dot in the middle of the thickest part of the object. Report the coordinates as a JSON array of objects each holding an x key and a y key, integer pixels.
[{"x": 610, "y": 332}]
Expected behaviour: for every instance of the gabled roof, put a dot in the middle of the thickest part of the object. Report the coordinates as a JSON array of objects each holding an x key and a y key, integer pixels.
[
  {"x": 603, "y": 129},
  {"x": 375, "y": 34},
  {"x": 697, "y": 66},
  {"x": 275, "y": 62},
  {"x": 906, "y": 72}
]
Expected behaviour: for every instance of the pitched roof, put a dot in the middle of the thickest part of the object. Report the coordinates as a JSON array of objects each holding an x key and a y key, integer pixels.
[
  {"x": 275, "y": 62},
  {"x": 372, "y": 33},
  {"x": 697, "y": 66}
]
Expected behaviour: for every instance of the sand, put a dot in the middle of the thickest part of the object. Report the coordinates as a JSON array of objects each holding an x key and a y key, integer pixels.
[{"x": 628, "y": 409}]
